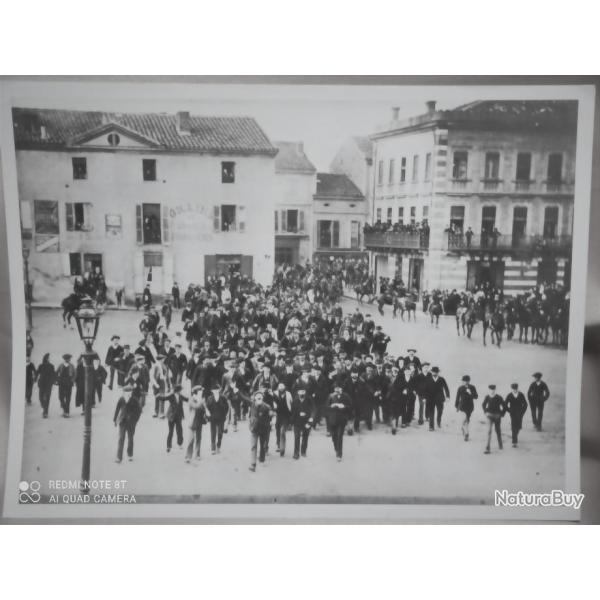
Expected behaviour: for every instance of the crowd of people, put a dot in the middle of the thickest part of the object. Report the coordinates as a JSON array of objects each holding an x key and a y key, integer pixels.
[
  {"x": 418, "y": 227},
  {"x": 284, "y": 358}
]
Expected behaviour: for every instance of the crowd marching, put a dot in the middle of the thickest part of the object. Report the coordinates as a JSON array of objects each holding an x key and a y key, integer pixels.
[{"x": 283, "y": 358}]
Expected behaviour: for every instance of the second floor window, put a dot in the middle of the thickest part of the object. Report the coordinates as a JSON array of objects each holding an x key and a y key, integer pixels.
[
  {"x": 391, "y": 171},
  {"x": 149, "y": 230},
  {"x": 415, "y": 169},
  {"x": 292, "y": 221},
  {"x": 78, "y": 216},
  {"x": 149, "y": 169},
  {"x": 428, "y": 166},
  {"x": 355, "y": 234},
  {"x": 328, "y": 234},
  {"x": 79, "y": 167},
  {"x": 555, "y": 168},
  {"x": 401, "y": 215},
  {"x": 389, "y": 215},
  {"x": 380, "y": 172},
  {"x": 379, "y": 215},
  {"x": 229, "y": 217},
  {"x": 488, "y": 219},
  {"x": 460, "y": 164},
  {"x": 457, "y": 218},
  {"x": 413, "y": 215},
  {"x": 492, "y": 165},
  {"x": 227, "y": 172},
  {"x": 551, "y": 221},
  {"x": 523, "y": 166},
  {"x": 403, "y": 169}
]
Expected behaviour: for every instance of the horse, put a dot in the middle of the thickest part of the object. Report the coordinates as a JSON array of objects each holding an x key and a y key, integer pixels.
[
  {"x": 495, "y": 323},
  {"x": 384, "y": 298},
  {"x": 474, "y": 313},
  {"x": 406, "y": 304},
  {"x": 559, "y": 324},
  {"x": 524, "y": 316},
  {"x": 362, "y": 290},
  {"x": 435, "y": 310},
  {"x": 512, "y": 318},
  {"x": 70, "y": 305},
  {"x": 540, "y": 324}
]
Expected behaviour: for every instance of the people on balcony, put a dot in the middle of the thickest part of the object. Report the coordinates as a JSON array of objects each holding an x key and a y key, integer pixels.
[{"x": 421, "y": 227}]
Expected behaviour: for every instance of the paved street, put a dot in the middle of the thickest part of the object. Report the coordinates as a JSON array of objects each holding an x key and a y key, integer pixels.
[{"x": 415, "y": 465}]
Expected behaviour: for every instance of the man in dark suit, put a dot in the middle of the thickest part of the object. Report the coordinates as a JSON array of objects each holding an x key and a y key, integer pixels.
[
  {"x": 412, "y": 359},
  {"x": 465, "y": 396},
  {"x": 516, "y": 406},
  {"x": 282, "y": 401},
  {"x": 259, "y": 420},
  {"x": 65, "y": 379},
  {"x": 175, "y": 417},
  {"x": 494, "y": 408},
  {"x": 537, "y": 395},
  {"x": 123, "y": 365},
  {"x": 362, "y": 400},
  {"x": 302, "y": 417},
  {"x": 438, "y": 393},
  {"x": 218, "y": 407},
  {"x": 127, "y": 414},
  {"x": 339, "y": 405},
  {"x": 113, "y": 354}
]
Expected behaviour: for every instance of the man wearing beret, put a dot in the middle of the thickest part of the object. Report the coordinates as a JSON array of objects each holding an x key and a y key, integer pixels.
[
  {"x": 516, "y": 406},
  {"x": 537, "y": 395},
  {"x": 494, "y": 408},
  {"x": 466, "y": 394}
]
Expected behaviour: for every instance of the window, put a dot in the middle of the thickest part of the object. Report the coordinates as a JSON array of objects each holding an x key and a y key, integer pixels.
[
  {"x": 149, "y": 169},
  {"x": 227, "y": 172},
  {"x": 75, "y": 263},
  {"x": 148, "y": 224},
  {"x": 457, "y": 218},
  {"x": 328, "y": 233},
  {"x": 355, "y": 234},
  {"x": 551, "y": 221},
  {"x": 519, "y": 226},
  {"x": 426, "y": 212},
  {"x": 153, "y": 259},
  {"x": 523, "y": 166},
  {"x": 403, "y": 169},
  {"x": 415, "y": 169},
  {"x": 79, "y": 168},
  {"x": 413, "y": 215},
  {"x": 379, "y": 215},
  {"x": 92, "y": 263},
  {"x": 428, "y": 166},
  {"x": 389, "y": 215},
  {"x": 555, "y": 168},
  {"x": 231, "y": 217},
  {"x": 492, "y": 165},
  {"x": 46, "y": 216},
  {"x": 460, "y": 164},
  {"x": 391, "y": 171},
  {"x": 488, "y": 219},
  {"x": 228, "y": 217},
  {"x": 276, "y": 220},
  {"x": 114, "y": 139},
  {"x": 292, "y": 221},
  {"x": 78, "y": 216},
  {"x": 380, "y": 172},
  {"x": 401, "y": 215}
]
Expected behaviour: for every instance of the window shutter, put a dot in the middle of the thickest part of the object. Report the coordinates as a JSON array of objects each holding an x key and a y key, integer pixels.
[
  {"x": 166, "y": 225},
  {"x": 284, "y": 220},
  {"x": 300, "y": 220},
  {"x": 139, "y": 233},
  {"x": 87, "y": 216},
  {"x": 26, "y": 215},
  {"x": 336, "y": 234},
  {"x": 241, "y": 219},
  {"x": 276, "y": 220},
  {"x": 70, "y": 219},
  {"x": 66, "y": 263},
  {"x": 217, "y": 218}
]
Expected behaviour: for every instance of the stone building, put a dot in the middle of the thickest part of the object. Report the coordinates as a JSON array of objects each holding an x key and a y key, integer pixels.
[
  {"x": 494, "y": 181},
  {"x": 295, "y": 181},
  {"x": 180, "y": 196},
  {"x": 340, "y": 212}
]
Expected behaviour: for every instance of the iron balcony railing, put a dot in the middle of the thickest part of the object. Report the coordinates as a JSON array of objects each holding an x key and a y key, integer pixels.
[
  {"x": 491, "y": 243},
  {"x": 404, "y": 239}
]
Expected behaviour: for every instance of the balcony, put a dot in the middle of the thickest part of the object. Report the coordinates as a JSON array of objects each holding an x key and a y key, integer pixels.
[
  {"x": 534, "y": 244},
  {"x": 402, "y": 240},
  {"x": 292, "y": 232}
]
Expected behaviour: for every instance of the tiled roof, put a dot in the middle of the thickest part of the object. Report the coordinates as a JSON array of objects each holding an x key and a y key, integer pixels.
[
  {"x": 364, "y": 144},
  {"x": 292, "y": 159},
  {"x": 330, "y": 185},
  {"x": 207, "y": 134}
]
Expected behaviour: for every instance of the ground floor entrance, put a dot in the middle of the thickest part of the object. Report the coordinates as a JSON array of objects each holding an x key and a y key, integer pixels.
[
  {"x": 547, "y": 272},
  {"x": 415, "y": 273},
  {"x": 483, "y": 272},
  {"x": 227, "y": 264},
  {"x": 287, "y": 251}
]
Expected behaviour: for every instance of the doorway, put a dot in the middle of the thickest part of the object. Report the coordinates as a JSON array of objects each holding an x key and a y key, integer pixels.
[
  {"x": 415, "y": 273},
  {"x": 485, "y": 273}
]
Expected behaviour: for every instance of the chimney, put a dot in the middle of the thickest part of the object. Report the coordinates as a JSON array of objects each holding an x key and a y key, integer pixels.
[
  {"x": 430, "y": 106},
  {"x": 183, "y": 123},
  {"x": 395, "y": 112}
]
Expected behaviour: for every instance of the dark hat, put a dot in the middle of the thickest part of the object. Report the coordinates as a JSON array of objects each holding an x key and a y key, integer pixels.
[
  {"x": 177, "y": 388},
  {"x": 435, "y": 369},
  {"x": 316, "y": 368},
  {"x": 425, "y": 364},
  {"x": 67, "y": 356},
  {"x": 411, "y": 350},
  {"x": 127, "y": 388},
  {"x": 514, "y": 386},
  {"x": 177, "y": 345},
  {"x": 353, "y": 371},
  {"x": 126, "y": 347},
  {"x": 306, "y": 369},
  {"x": 466, "y": 378},
  {"x": 161, "y": 356},
  {"x": 537, "y": 374},
  {"x": 142, "y": 342},
  {"x": 368, "y": 315},
  {"x": 492, "y": 386},
  {"x": 140, "y": 357},
  {"x": 115, "y": 337},
  {"x": 196, "y": 388}
]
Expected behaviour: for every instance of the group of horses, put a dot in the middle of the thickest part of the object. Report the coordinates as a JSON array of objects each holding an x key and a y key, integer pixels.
[{"x": 538, "y": 322}]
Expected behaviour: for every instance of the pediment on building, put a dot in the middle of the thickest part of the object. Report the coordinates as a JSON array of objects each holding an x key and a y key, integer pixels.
[{"x": 113, "y": 135}]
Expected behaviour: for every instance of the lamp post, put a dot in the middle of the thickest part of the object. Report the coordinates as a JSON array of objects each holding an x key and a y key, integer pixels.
[
  {"x": 27, "y": 288},
  {"x": 87, "y": 319}
]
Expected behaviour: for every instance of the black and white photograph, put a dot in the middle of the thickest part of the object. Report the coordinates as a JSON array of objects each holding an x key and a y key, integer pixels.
[{"x": 327, "y": 297}]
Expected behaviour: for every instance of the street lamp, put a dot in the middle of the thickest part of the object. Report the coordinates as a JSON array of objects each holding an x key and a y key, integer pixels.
[
  {"x": 87, "y": 319},
  {"x": 27, "y": 287}
]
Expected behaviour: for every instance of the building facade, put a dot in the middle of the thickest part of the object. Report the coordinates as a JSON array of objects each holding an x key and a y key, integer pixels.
[
  {"x": 143, "y": 198},
  {"x": 340, "y": 212},
  {"x": 295, "y": 181},
  {"x": 493, "y": 184}
]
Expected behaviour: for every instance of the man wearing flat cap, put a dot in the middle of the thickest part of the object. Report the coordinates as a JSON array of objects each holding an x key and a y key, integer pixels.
[
  {"x": 466, "y": 394},
  {"x": 162, "y": 385},
  {"x": 113, "y": 354},
  {"x": 127, "y": 414},
  {"x": 175, "y": 417},
  {"x": 516, "y": 406},
  {"x": 537, "y": 395},
  {"x": 494, "y": 408},
  {"x": 65, "y": 379}
]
